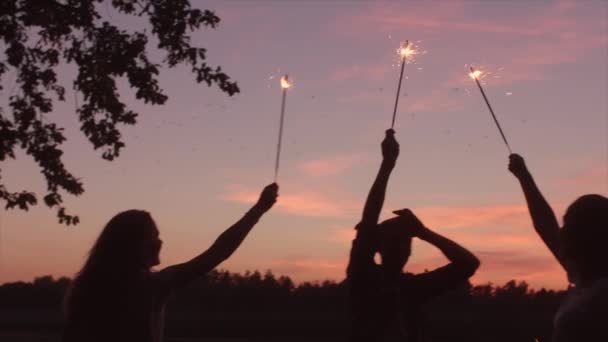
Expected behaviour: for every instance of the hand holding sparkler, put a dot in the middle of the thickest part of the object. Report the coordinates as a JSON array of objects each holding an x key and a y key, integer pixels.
[
  {"x": 268, "y": 197},
  {"x": 390, "y": 147},
  {"x": 517, "y": 166}
]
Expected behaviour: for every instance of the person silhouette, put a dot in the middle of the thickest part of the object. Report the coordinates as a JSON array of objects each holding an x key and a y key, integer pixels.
[
  {"x": 580, "y": 247},
  {"x": 117, "y": 297},
  {"x": 385, "y": 303}
]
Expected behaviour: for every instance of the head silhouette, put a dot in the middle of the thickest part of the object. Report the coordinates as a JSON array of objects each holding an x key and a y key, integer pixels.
[
  {"x": 394, "y": 244},
  {"x": 129, "y": 242},
  {"x": 584, "y": 237},
  {"x": 127, "y": 246}
]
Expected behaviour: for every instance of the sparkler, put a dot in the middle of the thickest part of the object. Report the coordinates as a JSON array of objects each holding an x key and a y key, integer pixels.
[
  {"x": 404, "y": 51},
  {"x": 475, "y": 75},
  {"x": 284, "y": 85}
]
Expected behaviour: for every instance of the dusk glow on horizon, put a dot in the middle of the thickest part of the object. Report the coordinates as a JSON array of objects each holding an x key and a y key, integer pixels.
[{"x": 199, "y": 162}]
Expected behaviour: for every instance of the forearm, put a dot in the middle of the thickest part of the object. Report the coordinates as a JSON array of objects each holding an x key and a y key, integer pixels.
[
  {"x": 232, "y": 237},
  {"x": 375, "y": 198},
  {"x": 225, "y": 244},
  {"x": 543, "y": 217},
  {"x": 457, "y": 254}
]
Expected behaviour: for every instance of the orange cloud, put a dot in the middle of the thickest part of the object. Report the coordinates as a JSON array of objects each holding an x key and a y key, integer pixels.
[
  {"x": 459, "y": 217},
  {"x": 305, "y": 268},
  {"x": 329, "y": 166},
  {"x": 304, "y": 203}
]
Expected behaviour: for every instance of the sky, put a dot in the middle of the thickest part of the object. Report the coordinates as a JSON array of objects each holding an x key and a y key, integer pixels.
[{"x": 199, "y": 162}]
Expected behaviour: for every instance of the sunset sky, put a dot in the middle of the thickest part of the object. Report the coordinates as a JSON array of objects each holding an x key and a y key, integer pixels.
[{"x": 199, "y": 162}]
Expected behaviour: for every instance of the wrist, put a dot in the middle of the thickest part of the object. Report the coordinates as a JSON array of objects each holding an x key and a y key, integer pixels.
[
  {"x": 524, "y": 176},
  {"x": 257, "y": 210},
  {"x": 424, "y": 234},
  {"x": 389, "y": 162}
]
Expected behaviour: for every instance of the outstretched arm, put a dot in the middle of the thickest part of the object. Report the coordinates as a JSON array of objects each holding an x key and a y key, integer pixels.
[
  {"x": 224, "y": 245},
  {"x": 543, "y": 217},
  {"x": 363, "y": 249}
]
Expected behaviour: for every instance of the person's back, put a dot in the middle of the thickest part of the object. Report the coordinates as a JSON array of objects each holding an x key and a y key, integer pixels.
[
  {"x": 583, "y": 316},
  {"x": 124, "y": 310}
]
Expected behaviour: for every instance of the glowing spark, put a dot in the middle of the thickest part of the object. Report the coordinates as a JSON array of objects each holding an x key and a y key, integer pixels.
[
  {"x": 285, "y": 83},
  {"x": 406, "y": 50},
  {"x": 475, "y": 74}
]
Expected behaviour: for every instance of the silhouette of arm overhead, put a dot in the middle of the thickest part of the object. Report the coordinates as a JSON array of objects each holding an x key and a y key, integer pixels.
[
  {"x": 375, "y": 198},
  {"x": 463, "y": 264},
  {"x": 363, "y": 249},
  {"x": 224, "y": 245},
  {"x": 543, "y": 218}
]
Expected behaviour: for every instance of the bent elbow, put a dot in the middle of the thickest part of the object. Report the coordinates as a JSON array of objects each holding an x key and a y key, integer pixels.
[{"x": 472, "y": 266}]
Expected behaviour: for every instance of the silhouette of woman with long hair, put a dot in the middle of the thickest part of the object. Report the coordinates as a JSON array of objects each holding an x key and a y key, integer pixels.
[
  {"x": 581, "y": 247},
  {"x": 385, "y": 303},
  {"x": 116, "y": 296}
]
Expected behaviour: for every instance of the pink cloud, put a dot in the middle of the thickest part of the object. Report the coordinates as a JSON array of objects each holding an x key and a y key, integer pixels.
[
  {"x": 329, "y": 166},
  {"x": 454, "y": 219},
  {"x": 303, "y": 203},
  {"x": 342, "y": 235}
]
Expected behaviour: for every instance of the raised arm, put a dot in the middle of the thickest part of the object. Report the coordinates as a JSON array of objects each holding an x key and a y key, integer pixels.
[
  {"x": 375, "y": 198},
  {"x": 364, "y": 247},
  {"x": 224, "y": 245},
  {"x": 543, "y": 217}
]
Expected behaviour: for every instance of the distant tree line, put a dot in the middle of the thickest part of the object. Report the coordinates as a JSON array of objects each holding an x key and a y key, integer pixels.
[{"x": 266, "y": 306}]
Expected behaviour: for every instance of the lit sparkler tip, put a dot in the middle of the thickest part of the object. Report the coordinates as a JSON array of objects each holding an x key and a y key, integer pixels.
[
  {"x": 406, "y": 49},
  {"x": 285, "y": 82},
  {"x": 474, "y": 74}
]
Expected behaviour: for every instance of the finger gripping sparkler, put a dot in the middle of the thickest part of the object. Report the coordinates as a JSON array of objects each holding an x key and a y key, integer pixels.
[{"x": 475, "y": 75}]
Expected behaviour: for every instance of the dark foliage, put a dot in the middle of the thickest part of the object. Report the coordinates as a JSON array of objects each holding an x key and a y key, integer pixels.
[
  {"x": 266, "y": 306},
  {"x": 39, "y": 35}
]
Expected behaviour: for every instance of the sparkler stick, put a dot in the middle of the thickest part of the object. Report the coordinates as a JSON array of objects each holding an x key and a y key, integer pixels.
[
  {"x": 475, "y": 75},
  {"x": 285, "y": 85},
  {"x": 404, "y": 51}
]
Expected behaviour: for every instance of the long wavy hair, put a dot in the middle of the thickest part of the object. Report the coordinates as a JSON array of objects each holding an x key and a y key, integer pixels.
[{"x": 115, "y": 261}]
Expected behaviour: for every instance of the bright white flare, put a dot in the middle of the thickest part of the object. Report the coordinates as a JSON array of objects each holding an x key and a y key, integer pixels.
[
  {"x": 475, "y": 74},
  {"x": 406, "y": 50},
  {"x": 284, "y": 82}
]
